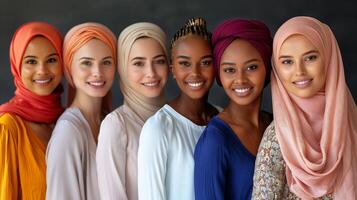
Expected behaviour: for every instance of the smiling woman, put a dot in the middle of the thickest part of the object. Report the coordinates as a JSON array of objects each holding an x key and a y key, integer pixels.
[
  {"x": 89, "y": 60},
  {"x": 27, "y": 120},
  {"x": 168, "y": 138}
]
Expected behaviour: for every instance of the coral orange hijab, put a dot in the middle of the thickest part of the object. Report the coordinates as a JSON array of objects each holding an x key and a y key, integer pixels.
[
  {"x": 26, "y": 104},
  {"x": 318, "y": 135},
  {"x": 74, "y": 40}
]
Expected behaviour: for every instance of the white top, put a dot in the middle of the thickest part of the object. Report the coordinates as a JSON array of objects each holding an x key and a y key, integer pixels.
[
  {"x": 165, "y": 158},
  {"x": 70, "y": 157},
  {"x": 117, "y": 154}
]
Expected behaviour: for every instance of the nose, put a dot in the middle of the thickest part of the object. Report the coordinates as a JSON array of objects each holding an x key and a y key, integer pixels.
[
  {"x": 300, "y": 69},
  {"x": 241, "y": 77},
  {"x": 42, "y": 68},
  {"x": 150, "y": 72},
  {"x": 96, "y": 70},
  {"x": 196, "y": 69}
]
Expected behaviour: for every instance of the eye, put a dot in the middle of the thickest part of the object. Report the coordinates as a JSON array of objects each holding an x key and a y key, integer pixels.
[
  {"x": 287, "y": 62},
  {"x": 87, "y": 63},
  {"x": 160, "y": 61},
  {"x": 207, "y": 62},
  {"x": 229, "y": 70},
  {"x": 31, "y": 61},
  {"x": 311, "y": 58},
  {"x": 252, "y": 67},
  {"x": 184, "y": 63},
  {"x": 139, "y": 63},
  {"x": 107, "y": 62},
  {"x": 52, "y": 60}
]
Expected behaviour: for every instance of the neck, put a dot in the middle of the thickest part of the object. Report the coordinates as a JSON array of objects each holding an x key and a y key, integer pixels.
[
  {"x": 90, "y": 107},
  {"x": 244, "y": 113},
  {"x": 197, "y": 110}
]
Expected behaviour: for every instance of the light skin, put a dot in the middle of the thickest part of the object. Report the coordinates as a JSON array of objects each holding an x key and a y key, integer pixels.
[
  {"x": 92, "y": 70},
  {"x": 41, "y": 73},
  {"x": 192, "y": 68},
  {"x": 242, "y": 74},
  {"x": 300, "y": 67},
  {"x": 147, "y": 69}
]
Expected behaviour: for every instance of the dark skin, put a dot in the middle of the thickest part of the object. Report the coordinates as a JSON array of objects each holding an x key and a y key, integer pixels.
[
  {"x": 247, "y": 122},
  {"x": 192, "y": 62}
]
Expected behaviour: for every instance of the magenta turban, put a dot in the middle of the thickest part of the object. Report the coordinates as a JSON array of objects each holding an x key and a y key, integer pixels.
[{"x": 253, "y": 31}]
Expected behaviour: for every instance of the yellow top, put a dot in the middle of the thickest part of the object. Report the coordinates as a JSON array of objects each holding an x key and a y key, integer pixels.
[{"x": 22, "y": 161}]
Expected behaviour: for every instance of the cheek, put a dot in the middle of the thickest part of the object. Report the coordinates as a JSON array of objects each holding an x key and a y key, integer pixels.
[
  {"x": 208, "y": 72},
  {"x": 162, "y": 72},
  {"x": 134, "y": 76},
  {"x": 284, "y": 73}
]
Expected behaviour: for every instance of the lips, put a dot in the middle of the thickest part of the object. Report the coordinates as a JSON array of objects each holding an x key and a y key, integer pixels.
[
  {"x": 243, "y": 91},
  {"x": 195, "y": 84},
  {"x": 96, "y": 84},
  {"x": 302, "y": 83},
  {"x": 42, "y": 81},
  {"x": 151, "y": 84}
]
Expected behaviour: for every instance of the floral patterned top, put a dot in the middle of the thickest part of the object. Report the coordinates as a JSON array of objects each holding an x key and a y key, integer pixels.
[{"x": 269, "y": 180}]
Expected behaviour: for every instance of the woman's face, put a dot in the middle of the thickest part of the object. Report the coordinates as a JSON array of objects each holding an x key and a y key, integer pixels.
[
  {"x": 242, "y": 72},
  {"x": 93, "y": 69},
  {"x": 192, "y": 66},
  {"x": 300, "y": 67},
  {"x": 41, "y": 67},
  {"x": 147, "y": 68}
]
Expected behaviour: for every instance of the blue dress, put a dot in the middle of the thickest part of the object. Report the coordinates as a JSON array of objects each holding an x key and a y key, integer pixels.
[{"x": 224, "y": 168}]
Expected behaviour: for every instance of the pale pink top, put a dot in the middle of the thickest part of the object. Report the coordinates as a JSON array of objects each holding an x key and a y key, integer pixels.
[{"x": 117, "y": 154}]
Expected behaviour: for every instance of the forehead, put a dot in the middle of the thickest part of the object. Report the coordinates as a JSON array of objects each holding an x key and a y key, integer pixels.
[
  {"x": 145, "y": 46},
  {"x": 192, "y": 46},
  {"x": 296, "y": 44},
  {"x": 39, "y": 45},
  {"x": 240, "y": 50}
]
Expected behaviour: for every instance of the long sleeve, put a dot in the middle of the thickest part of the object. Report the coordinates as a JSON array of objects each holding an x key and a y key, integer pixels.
[
  {"x": 269, "y": 176},
  {"x": 65, "y": 175},
  {"x": 111, "y": 159},
  {"x": 152, "y": 160},
  {"x": 210, "y": 166},
  {"x": 9, "y": 184}
]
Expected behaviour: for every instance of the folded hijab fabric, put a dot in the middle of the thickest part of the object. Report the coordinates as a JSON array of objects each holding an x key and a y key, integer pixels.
[
  {"x": 318, "y": 135},
  {"x": 253, "y": 31},
  {"x": 74, "y": 40},
  {"x": 143, "y": 106},
  {"x": 26, "y": 104}
]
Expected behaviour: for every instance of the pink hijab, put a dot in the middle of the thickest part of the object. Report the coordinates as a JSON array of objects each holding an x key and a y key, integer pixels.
[{"x": 317, "y": 136}]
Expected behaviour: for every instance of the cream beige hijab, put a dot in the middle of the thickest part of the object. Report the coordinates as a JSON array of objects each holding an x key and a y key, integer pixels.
[
  {"x": 144, "y": 107},
  {"x": 317, "y": 136}
]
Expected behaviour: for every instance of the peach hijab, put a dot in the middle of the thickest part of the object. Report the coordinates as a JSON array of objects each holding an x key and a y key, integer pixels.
[
  {"x": 317, "y": 136},
  {"x": 74, "y": 40}
]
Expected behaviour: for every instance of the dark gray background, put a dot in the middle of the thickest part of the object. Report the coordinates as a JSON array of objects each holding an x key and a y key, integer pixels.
[{"x": 340, "y": 15}]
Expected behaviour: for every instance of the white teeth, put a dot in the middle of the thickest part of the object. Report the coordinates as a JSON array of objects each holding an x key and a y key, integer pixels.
[
  {"x": 96, "y": 83},
  {"x": 151, "y": 84},
  {"x": 198, "y": 84},
  {"x": 42, "y": 81},
  {"x": 301, "y": 82},
  {"x": 242, "y": 90}
]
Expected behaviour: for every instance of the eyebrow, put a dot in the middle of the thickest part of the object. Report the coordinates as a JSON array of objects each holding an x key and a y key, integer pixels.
[
  {"x": 161, "y": 55},
  {"x": 108, "y": 57},
  {"x": 187, "y": 57},
  {"x": 53, "y": 54},
  {"x": 86, "y": 58},
  {"x": 312, "y": 51},
  {"x": 30, "y": 56},
  {"x": 246, "y": 62}
]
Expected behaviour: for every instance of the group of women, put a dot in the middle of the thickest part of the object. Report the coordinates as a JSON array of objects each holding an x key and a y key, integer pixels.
[{"x": 153, "y": 149}]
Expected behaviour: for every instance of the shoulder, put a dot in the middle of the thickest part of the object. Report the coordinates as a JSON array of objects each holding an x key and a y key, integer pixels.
[
  {"x": 115, "y": 119},
  {"x": 11, "y": 126},
  {"x": 161, "y": 120},
  {"x": 70, "y": 129},
  {"x": 213, "y": 137}
]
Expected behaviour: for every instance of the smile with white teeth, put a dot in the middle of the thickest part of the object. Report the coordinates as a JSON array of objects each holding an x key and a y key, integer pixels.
[
  {"x": 302, "y": 83},
  {"x": 96, "y": 83},
  {"x": 42, "y": 81},
  {"x": 242, "y": 91},
  {"x": 151, "y": 84},
  {"x": 195, "y": 84}
]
